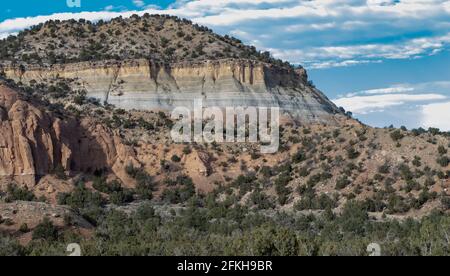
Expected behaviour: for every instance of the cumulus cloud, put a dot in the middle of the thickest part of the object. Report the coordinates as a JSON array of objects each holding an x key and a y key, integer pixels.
[
  {"x": 367, "y": 104},
  {"x": 436, "y": 115},
  {"x": 404, "y": 104},
  {"x": 341, "y": 56},
  {"x": 139, "y": 3}
]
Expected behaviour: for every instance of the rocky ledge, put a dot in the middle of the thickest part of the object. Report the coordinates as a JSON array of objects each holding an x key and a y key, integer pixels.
[{"x": 146, "y": 85}]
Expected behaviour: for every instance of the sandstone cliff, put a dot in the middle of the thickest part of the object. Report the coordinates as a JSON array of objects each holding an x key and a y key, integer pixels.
[
  {"x": 33, "y": 142},
  {"x": 142, "y": 84}
]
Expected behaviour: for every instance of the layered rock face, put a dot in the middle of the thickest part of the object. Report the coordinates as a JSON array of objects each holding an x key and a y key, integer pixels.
[
  {"x": 33, "y": 142},
  {"x": 144, "y": 85}
]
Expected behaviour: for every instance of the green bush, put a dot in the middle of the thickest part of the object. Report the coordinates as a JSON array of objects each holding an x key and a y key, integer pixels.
[
  {"x": 442, "y": 150},
  {"x": 10, "y": 247},
  {"x": 342, "y": 182},
  {"x": 281, "y": 188},
  {"x": 175, "y": 158},
  {"x": 185, "y": 189},
  {"x": 81, "y": 197},
  {"x": 45, "y": 230},
  {"x": 187, "y": 150},
  {"x": 397, "y": 135},
  {"x": 15, "y": 193},
  {"x": 121, "y": 197},
  {"x": 352, "y": 153},
  {"x": 445, "y": 201},
  {"x": 60, "y": 172},
  {"x": 443, "y": 161},
  {"x": 300, "y": 156},
  {"x": 144, "y": 182},
  {"x": 261, "y": 200},
  {"x": 354, "y": 218},
  {"x": 417, "y": 161}
]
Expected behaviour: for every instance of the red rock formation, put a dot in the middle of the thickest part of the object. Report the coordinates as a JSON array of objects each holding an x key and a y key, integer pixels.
[{"x": 33, "y": 142}]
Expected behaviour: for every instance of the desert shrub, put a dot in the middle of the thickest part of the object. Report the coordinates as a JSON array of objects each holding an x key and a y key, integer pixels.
[
  {"x": 245, "y": 183},
  {"x": 81, "y": 197},
  {"x": 314, "y": 179},
  {"x": 175, "y": 158},
  {"x": 443, "y": 161},
  {"x": 145, "y": 212},
  {"x": 281, "y": 187},
  {"x": 412, "y": 185},
  {"x": 405, "y": 172},
  {"x": 434, "y": 131},
  {"x": 102, "y": 186},
  {"x": 261, "y": 200},
  {"x": 121, "y": 197},
  {"x": 164, "y": 42},
  {"x": 79, "y": 99},
  {"x": 304, "y": 171},
  {"x": 352, "y": 153},
  {"x": 298, "y": 157},
  {"x": 442, "y": 150},
  {"x": 374, "y": 205},
  {"x": 185, "y": 189},
  {"x": 59, "y": 172},
  {"x": 378, "y": 177},
  {"x": 266, "y": 171},
  {"x": 310, "y": 201},
  {"x": 255, "y": 155},
  {"x": 24, "y": 228},
  {"x": 417, "y": 161},
  {"x": 187, "y": 150},
  {"x": 354, "y": 217},
  {"x": 45, "y": 230},
  {"x": 397, "y": 135},
  {"x": 10, "y": 247},
  {"x": 144, "y": 182},
  {"x": 342, "y": 182},
  {"x": 14, "y": 193},
  {"x": 419, "y": 131},
  {"x": 145, "y": 124},
  {"x": 445, "y": 201},
  {"x": 397, "y": 204}
]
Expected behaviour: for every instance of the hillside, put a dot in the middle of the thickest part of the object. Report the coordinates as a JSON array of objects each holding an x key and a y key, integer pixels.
[
  {"x": 159, "y": 38},
  {"x": 84, "y": 125},
  {"x": 397, "y": 171},
  {"x": 149, "y": 63}
]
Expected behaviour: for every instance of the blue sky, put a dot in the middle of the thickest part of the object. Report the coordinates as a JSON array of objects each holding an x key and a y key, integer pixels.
[{"x": 385, "y": 60}]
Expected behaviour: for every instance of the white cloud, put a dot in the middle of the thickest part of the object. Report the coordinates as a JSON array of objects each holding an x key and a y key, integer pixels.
[
  {"x": 389, "y": 90},
  {"x": 403, "y": 104},
  {"x": 139, "y": 3},
  {"x": 322, "y": 64},
  {"x": 367, "y": 104},
  {"x": 436, "y": 115},
  {"x": 396, "y": 89},
  {"x": 152, "y": 7},
  {"x": 339, "y": 56}
]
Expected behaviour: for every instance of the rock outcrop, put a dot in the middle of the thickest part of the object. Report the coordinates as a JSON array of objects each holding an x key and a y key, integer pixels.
[
  {"x": 32, "y": 213},
  {"x": 33, "y": 142},
  {"x": 144, "y": 85}
]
